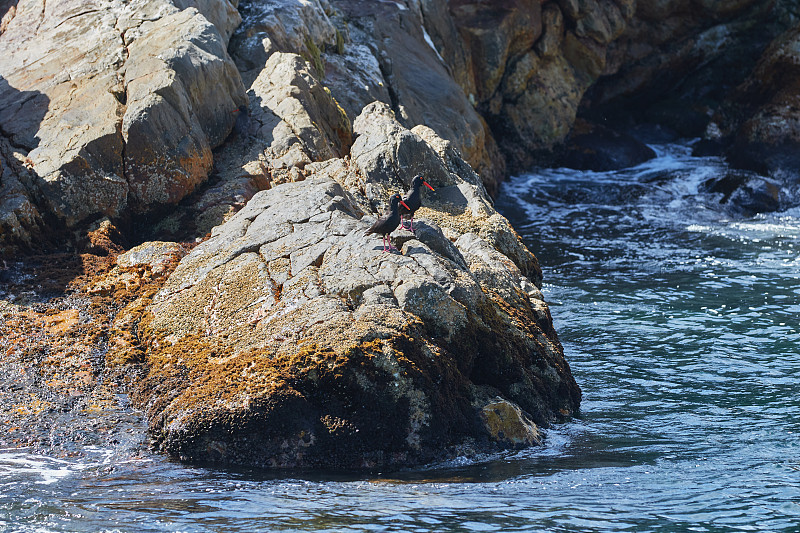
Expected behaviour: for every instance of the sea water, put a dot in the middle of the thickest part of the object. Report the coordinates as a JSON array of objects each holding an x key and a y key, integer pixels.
[{"x": 681, "y": 323}]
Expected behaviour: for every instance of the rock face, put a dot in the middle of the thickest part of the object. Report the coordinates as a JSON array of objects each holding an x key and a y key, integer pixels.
[
  {"x": 670, "y": 47},
  {"x": 367, "y": 51},
  {"x": 761, "y": 118},
  {"x": 678, "y": 60},
  {"x": 114, "y": 106},
  {"x": 117, "y": 109},
  {"x": 315, "y": 348},
  {"x": 528, "y": 65}
]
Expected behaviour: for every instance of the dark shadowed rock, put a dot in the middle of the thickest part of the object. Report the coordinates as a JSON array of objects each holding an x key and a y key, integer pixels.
[
  {"x": 595, "y": 147},
  {"x": 761, "y": 116},
  {"x": 18, "y": 216},
  {"x": 683, "y": 117},
  {"x": 746, "y": 193}
]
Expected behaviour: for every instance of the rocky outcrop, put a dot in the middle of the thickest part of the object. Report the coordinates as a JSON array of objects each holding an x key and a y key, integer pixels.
[
  {"x": 286, "y": 337},
  {"x": 116, "y": 106},
  {"x": 666, "y": 43},
  {"x": 315, "y": 348},
  {"x": 760, "y": 120},
  {"x": 118, "y": 109}
]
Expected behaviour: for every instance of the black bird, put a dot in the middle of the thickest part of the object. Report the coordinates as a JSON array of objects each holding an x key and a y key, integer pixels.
[
  {"x": 242, "y": 125},
  {"x": 388, "y": 222},
  {"x": 413, "y": 201}
]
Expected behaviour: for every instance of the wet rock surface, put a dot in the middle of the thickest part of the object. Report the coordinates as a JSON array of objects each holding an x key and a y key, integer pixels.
[
  {"x": 58, "y": 393},
  {"x": 595, "y": 147}
]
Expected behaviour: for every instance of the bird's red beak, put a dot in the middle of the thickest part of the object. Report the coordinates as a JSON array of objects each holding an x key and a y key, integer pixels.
[
  {"x": 235, "y": 111},
  {"x": 404, "y": 205},
  {"x": 428, "y": 185}
]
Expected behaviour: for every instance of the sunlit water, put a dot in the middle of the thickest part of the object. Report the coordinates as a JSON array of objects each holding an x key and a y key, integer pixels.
[{"x": 682, "y": 327}]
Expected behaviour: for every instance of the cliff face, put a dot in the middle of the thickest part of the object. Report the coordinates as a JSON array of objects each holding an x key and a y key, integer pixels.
[{"x": 115, "y": 109}]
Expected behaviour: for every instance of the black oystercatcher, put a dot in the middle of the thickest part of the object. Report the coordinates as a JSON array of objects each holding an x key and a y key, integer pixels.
[
  {"x": 388, "y": 222},
  {"x": 413, "y": 201}
]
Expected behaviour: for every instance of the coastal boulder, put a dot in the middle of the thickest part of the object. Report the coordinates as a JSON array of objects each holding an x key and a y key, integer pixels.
[
  {"x": 290, "y": 339},
  {"x": 595, "y": 147}
]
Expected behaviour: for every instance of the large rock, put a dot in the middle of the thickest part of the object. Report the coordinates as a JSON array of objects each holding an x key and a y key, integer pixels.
[
  {"x": 181, "y": 88},
  {"x": 293, "y": 120},
  {"x": 595, "y": 147},
  {"x": 269, "y": 26},
  {"x": 528, "y": 64},
  {"x": 290, "y": 339},
  {"x": 762, "y": 117},
  {"x": 115, "y": 105}
]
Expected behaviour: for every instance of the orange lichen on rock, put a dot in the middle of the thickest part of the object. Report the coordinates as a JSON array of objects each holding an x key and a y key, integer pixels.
[
  {"x": 56, "y": 331},
  {"x": 60, "y": 322}
]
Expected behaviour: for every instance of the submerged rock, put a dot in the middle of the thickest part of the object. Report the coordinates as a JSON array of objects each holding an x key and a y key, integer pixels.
[
  {"x": 290, "y": 339},
  {"x": 746, "y": 193}
]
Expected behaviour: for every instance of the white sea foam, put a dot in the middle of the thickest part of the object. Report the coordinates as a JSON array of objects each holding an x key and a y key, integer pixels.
[
  {"x": 16, "y": 464},
  {"x": 21, "y": 465}
]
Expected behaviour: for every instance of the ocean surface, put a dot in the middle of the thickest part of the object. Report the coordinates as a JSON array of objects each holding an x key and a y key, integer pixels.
[{"x": 681, "y": 323}]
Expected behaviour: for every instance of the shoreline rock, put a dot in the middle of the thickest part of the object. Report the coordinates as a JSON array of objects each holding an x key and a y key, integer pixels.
[
  {"x": 130, "y": 111},
  {"x": 316, "y": 349}
]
